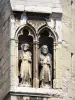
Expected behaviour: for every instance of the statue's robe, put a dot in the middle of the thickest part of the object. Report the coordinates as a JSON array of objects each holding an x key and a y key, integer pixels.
[
  {"x": 26, "y": 67},
  {"x": 45, "y": 63}
]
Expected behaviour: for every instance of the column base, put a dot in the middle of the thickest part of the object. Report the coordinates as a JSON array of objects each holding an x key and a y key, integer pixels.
[{"x": 36, "y": 83}]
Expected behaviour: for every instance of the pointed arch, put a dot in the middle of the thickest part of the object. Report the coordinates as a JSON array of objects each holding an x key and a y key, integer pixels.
[
  {"x": 27, "y": 26},
  {"x": 44, "y": 32},
  {"x": 51, "y": 31}
]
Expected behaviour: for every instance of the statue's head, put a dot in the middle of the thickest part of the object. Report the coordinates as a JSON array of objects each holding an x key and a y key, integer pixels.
[
  {"x": 25, "y": 47},
  {"x": 44, "y": 49}
]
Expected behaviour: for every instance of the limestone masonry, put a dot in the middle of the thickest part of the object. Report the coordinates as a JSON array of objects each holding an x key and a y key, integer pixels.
[{"x": 37, "y": 49}]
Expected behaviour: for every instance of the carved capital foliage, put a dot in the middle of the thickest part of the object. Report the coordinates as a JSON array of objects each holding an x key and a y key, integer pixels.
[
  {"x": 36, "y": 24},
  {"x": 35, "y": 28},
  {"x": 40, "y": 26}
]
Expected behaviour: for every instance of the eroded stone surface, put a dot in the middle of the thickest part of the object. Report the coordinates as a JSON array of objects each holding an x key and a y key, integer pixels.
[{"x": 65, "y": 49}]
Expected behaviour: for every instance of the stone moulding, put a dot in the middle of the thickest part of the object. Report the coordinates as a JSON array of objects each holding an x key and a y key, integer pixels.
[
  {"x": 40, "y": 92},
  {"x": 37, "y": 9},
  {"x": 35, "y": 92}
]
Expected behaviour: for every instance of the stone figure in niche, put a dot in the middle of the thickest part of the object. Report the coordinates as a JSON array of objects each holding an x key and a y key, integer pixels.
[
  {"x": 26, "y": 65},
  {"x": 45, "y": 64}
]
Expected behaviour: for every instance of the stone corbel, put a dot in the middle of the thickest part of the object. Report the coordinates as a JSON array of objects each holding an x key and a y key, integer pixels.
[{"x": 23, "y": 19}]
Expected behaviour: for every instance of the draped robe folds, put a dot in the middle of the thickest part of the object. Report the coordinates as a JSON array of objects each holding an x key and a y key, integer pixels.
[
  {"x": 45, "y": 74},
  {"x": 26, "y": 67}
]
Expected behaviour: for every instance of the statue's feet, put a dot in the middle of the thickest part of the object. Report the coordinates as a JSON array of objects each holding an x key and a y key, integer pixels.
[
  {"x": 45, "y": 86},
  {"x": 25, "y": 84},
  {"x": 42, "y": 85}
]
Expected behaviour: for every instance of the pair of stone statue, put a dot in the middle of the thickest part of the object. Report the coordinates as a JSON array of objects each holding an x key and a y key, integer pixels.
[{"x": 44, "y": 64}]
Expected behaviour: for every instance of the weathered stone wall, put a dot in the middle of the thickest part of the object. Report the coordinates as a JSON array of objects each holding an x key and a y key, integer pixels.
[
  {"x": 4, "y": 48},
  {"x": 67, "y": 51}
]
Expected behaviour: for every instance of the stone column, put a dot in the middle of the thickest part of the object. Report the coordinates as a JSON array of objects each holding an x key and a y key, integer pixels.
[
  {"x": 35, "y": 65},
  {"x": 54, "y": 64},
  {"x": 16, "y": 66},
  {"x": 54, "y": 49},
  {"x": 13, "y": 54}
]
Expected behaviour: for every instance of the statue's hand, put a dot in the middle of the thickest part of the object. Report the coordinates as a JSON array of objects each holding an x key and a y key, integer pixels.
[
  {"x": 29, "y": 60},
  {"x": 41, "y": 62},
  {"x": 48, "y": 62}
]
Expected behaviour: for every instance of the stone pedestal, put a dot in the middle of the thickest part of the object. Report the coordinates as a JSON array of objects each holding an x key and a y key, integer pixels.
[{"x": 23, "y": 93}]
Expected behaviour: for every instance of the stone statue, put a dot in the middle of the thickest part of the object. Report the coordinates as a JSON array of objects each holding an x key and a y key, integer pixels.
[
  {"x": 45, "y": 64},
  {"x": 26, "y": 65}
]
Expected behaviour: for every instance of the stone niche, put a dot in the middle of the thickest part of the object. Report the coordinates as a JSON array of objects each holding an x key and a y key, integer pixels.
[{"x": 34, "y": 38}]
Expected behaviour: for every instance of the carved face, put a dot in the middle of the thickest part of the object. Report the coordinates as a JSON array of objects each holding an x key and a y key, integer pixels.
[
  {"x": 44, "y": 49},
  {"x": 26, "y": 47}
]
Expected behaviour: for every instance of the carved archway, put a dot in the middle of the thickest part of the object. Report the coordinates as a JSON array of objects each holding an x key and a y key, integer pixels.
[
  {"x": 52, "y": 37},
  {"x": 20, "y": 28},
  {"x": 51, "y": 31},
  {"x": 32, "y": 32},
  {"x": 19, "y": 35}
]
